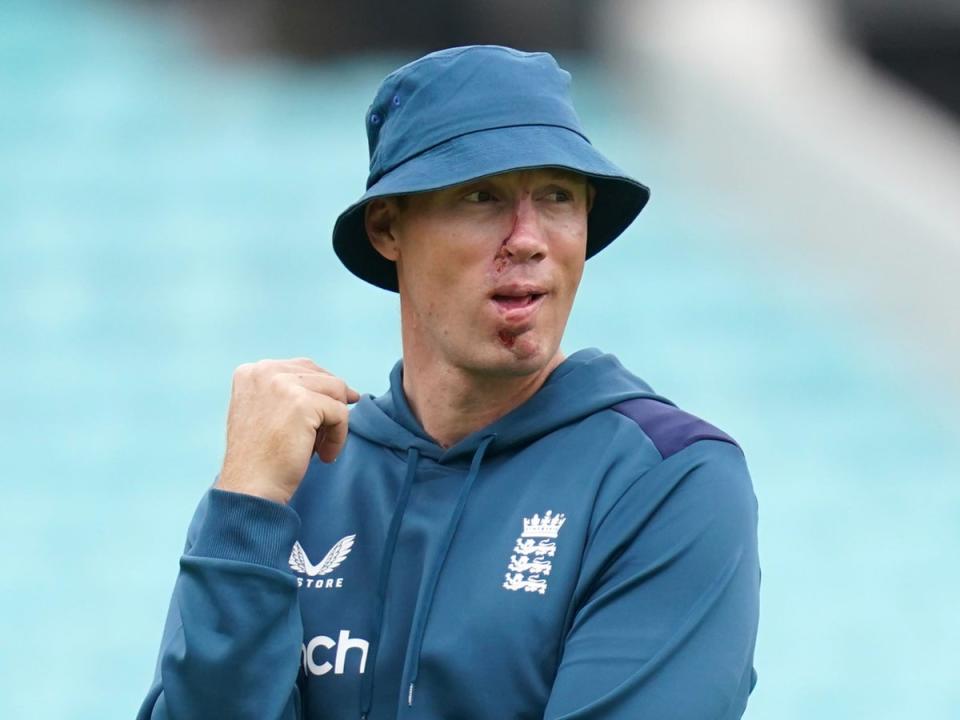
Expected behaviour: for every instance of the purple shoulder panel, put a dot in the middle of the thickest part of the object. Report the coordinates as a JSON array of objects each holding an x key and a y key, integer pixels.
[{"x": 670, "y": 428}]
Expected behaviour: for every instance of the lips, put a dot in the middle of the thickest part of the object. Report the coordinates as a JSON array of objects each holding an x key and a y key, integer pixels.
[
  {"x": 517, "y": 303},
  {"x": 512, "y": 302}
]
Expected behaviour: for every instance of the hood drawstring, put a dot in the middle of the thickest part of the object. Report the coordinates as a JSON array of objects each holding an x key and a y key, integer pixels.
[
  {"x": 366, "y": 680},
  {"x": 420, "y": 620}
]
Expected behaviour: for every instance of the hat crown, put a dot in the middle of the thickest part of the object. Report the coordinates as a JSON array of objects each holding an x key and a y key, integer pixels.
[{"x": 457, "y": 91}]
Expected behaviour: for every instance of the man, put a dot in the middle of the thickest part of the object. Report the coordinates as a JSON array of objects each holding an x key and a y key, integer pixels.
[{"x": 507, "y": 533}]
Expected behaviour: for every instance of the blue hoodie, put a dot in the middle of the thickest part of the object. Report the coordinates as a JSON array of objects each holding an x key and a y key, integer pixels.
[{"x": 592, "y": 554}]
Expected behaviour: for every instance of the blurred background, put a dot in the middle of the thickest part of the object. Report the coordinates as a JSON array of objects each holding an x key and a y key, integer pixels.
[{"x": 169, "y": 176}]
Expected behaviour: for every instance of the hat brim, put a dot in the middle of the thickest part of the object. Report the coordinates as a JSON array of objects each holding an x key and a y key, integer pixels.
[{"x": 619, "y": 198}]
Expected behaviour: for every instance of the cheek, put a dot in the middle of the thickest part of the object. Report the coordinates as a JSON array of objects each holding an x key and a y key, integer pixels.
[
  {"x": 454, "y": 281},
  {"x": 571, "y": 255}
]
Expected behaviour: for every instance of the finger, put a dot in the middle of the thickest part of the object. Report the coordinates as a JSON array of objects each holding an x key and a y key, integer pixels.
[
  {"x": 316, "y": 382},
  {"x": 297, "y": 365},
  {"x": 332, "y": 434},
  {"x": 325, "y": 385},
  {"x": 286, "y": 366},
  {"x": 338, "y": 386}
]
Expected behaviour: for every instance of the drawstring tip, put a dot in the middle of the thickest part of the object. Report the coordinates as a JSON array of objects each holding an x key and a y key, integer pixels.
[{"x": 410, "y": 695}]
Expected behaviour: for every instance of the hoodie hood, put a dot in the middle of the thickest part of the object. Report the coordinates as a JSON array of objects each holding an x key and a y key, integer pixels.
[{"x": 584, "y": 383}]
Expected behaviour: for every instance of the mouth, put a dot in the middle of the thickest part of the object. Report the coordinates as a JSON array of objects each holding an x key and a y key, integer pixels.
[
  {"x": 517, "y": 303},
  {"x": 514, "y": 302}
]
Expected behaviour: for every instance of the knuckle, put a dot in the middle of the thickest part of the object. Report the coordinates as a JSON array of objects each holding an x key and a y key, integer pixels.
[
  {"x": 300, "y": 405},
  {"x": 306, "y": 362},
  {"x": 278, "y": 384},
  {"x": 264, "y": 366},
  {"x": 338, "y": 412},
  {"x": 244, "y": 376},
  {"x": 253, "y": 371},
  {"x": 294, "y": 392}
]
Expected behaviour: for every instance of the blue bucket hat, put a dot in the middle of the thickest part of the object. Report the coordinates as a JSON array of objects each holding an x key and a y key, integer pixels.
[{"x": 463, "y": 113}]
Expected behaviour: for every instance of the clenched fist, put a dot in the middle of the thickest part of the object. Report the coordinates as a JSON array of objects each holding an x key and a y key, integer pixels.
[{"x": 281, "y": 412}]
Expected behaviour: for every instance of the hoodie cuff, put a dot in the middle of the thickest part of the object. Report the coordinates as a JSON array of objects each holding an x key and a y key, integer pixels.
[{"x": 247, "y": 529}]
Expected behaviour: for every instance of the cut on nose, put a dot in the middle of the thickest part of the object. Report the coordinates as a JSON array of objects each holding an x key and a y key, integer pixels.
[{"x": 525, "y": 240}]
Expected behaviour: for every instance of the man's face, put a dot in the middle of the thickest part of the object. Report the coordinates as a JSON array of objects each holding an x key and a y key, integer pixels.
[{"x": 487, "y": 270}]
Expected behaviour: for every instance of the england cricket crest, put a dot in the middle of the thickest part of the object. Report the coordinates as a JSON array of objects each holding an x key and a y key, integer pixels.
[{"x": 530, "y": 563}]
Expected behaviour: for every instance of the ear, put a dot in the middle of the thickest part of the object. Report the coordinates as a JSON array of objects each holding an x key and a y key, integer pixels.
[
  {"x": 378, "y": 219},
  {"x": 591, "y": 194}
]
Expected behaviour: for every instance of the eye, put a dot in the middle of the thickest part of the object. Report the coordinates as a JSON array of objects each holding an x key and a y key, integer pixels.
[
  {"x": 478, "y": 196},
  {"x": 560, "y": 196}
]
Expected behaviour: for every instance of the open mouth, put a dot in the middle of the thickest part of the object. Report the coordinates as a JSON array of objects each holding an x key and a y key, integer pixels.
[{"x": 517, "y": 302}]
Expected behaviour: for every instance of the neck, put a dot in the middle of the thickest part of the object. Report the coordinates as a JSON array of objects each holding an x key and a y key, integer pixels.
[{"x": 452, "y": 402}]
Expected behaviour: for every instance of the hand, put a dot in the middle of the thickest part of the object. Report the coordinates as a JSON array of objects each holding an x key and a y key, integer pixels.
[{"x": 281, "y": 412}]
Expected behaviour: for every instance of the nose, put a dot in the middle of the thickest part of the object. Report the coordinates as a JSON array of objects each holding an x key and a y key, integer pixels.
[{"x": 527, "y": 240}]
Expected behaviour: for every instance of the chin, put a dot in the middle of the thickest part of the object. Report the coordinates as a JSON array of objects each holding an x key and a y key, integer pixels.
[{"x": 517, "y": 355}]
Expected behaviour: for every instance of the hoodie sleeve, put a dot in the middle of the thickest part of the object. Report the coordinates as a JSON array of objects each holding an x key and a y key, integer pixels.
[
  {"x": 666, "y": 623},
  {"x": 232, "y": 638}
]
